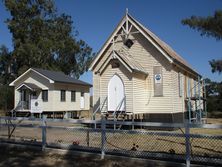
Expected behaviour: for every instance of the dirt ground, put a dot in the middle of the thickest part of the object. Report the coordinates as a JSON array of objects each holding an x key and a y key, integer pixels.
[
  {"x": 214, "y": 120},
  {"x": 17, "y": 156}
]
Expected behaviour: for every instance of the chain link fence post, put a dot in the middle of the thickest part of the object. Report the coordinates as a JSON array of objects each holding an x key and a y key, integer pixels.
[
  {"x": 43, "y": 132},
  {"x": 187, "y": 141},
  {"x": 103, "y": 136}
]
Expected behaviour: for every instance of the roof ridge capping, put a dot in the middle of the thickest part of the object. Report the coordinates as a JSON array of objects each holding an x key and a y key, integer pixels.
[{"x": 136, "y": 66}]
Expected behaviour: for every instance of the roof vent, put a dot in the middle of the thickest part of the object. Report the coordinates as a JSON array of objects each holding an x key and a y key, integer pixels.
[{"x": 128, "y": 43}]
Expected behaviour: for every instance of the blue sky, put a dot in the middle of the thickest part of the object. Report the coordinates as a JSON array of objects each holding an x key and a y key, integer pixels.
[{"x": 96, "y": 19}]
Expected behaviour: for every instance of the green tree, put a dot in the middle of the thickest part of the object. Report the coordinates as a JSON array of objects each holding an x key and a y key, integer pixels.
[
  {"x": 43, "y": 38},
  {"x": 7, "y": 97},
  {"x": 7, "y": 66},
  {"x": 214, "y": 97},
  {"x": 208, "y": 26}
]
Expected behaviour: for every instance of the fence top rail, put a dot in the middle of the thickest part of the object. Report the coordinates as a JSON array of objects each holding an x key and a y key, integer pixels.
[
  {"x": 128, "y": 123},
  {"x": 77, "y": 121},
  {"x": 167, "y": 125}
]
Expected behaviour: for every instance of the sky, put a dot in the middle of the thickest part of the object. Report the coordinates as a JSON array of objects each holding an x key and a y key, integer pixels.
[{"x": 96, "y": 19}]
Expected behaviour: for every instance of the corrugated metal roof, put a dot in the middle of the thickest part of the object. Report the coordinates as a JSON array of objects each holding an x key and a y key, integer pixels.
[
  {"x": 164, "y": 46},
  {"x": 128, "y": 59},
  {"x": 58, "y": 76}
]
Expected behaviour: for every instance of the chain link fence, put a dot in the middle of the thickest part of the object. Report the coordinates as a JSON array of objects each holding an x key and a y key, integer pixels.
[
  {"x": 28, "y": 132},
  {"x": 175, "y": 142}
]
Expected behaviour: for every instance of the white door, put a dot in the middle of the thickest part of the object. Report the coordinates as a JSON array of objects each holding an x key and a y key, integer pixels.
[
  {"x": 82, "y": 101},
  {"x": 116, "y": 94}
]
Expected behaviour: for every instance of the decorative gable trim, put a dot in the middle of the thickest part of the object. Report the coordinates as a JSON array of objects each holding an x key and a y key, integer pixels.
[
  {"x": 129, "y": 22},
  {"x": 25, "y": 73}
]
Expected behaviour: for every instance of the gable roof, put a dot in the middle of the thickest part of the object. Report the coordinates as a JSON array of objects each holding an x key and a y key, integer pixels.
[
  {"x": 54, "y": 76},
  {"x": 126, "y": 59},
  {"x": 175, "y": 56},
  {"x": 165, "y": 49}
]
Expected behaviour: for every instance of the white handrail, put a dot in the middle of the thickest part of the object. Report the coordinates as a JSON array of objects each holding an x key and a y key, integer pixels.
[
  {"x": 99, "y": 107},
  {"x": 119, "y": 105}
]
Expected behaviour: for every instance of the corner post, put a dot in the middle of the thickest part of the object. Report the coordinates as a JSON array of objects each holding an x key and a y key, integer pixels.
[
  {"x": 189, "y": 100},
  {"x": 103, "y": 136},
  {"x": 43, "y": 132},
  {"x": 199, "y": 99}
]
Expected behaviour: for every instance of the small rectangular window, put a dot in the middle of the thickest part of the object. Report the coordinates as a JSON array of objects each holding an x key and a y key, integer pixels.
[
  {"x": 82, "y": 94},
  {"x": 195, "y": 88},
  {"x": 188, "y": 87},
  {"x": 73, "y": 96},
  {"x": 45, "y": 95},
  {"x": 63, "y": 95},
  {"x": 180, "y": 84}
]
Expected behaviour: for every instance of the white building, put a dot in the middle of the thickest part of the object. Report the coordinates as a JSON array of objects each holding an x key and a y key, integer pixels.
[
  {"x": 138, "y": 74},
  {"x": 54, "y": 92}
]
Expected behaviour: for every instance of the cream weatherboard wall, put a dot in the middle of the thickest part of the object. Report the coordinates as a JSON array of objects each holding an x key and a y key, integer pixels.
[
  {"x": 68, "y": 104},
  {"x": 148, "y": 56}
]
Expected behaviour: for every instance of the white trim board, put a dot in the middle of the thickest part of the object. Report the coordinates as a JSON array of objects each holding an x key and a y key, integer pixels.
[{"x": 25, "y": 73}]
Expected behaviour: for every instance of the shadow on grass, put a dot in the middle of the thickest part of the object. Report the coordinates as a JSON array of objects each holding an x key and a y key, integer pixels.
[{"x": 23, "y": 156}]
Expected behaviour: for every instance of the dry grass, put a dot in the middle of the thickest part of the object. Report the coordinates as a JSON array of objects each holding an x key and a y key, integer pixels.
[
  {"x": 125, "y": 141},
  {"x": 214, "y": 120},
  {"x": 2, "y": 113}
]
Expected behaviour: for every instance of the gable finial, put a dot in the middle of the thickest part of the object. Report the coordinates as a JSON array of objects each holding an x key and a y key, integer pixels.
[{"x": 126, "y": 11}]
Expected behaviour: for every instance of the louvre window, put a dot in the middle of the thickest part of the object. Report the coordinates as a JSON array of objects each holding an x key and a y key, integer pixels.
[
  {"x": 45, "y": 95},
  {"x": 180, "y": 84},
  {"x": 188, "y": 87},
  {"x": 63, "y": 95},
  {"x": 128, "y": 43},
  {"x": 73, "y": 96}
]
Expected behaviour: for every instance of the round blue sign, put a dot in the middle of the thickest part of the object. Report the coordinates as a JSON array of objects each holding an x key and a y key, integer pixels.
[{"x": 158, "y": 77}]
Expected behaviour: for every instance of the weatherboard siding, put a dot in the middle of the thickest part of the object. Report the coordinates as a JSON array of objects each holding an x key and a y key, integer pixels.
[
  {"x": 68, "y": 105},
  {"x": 177, "y": 100},
  {"x": 140, "y": 94},
  {"x": 148, "y": 56},
  {"x": 96, "y": 91}
]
